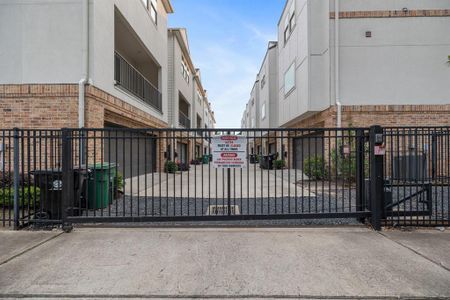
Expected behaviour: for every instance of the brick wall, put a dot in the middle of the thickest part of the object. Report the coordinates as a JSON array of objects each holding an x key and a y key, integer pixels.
[
  {"x": 56, "y": 106},
  {"x": 392, "y": 14},
  {"x": 384, "y": 115}
]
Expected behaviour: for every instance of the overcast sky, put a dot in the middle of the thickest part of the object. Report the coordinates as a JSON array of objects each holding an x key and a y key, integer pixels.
[{"x": 228, "y": 40}]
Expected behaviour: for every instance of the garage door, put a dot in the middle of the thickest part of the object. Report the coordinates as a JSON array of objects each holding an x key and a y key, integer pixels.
[
  {"x": 133, "y": 152},
  {"x": 307, "y": 146}
]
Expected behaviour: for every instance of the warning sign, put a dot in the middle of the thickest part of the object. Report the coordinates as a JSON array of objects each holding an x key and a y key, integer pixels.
[{"x": 229, "y": 151}]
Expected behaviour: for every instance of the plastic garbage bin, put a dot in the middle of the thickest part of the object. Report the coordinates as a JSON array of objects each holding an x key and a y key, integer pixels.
[
  {"x": 101, "y": 185},
  {"x": 50, "y": 185},
  {"x": 207, "y": 158},
  {"x": 267, "y": 162}
]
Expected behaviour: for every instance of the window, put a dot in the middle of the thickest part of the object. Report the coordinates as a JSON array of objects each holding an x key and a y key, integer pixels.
[
  {"x": 263, "y": 111},
  {"x": 153, "y": 10},
  {"x": 152, "y": 5},
  {"x": 199, "y": 97},
  {"x": 289, "y": 79},
  {"x": 185, "y": 70},
  {"x": 289, "y": 23},
  {"x": 253, "y": 123},
  {"x": 263, "y": 81}
]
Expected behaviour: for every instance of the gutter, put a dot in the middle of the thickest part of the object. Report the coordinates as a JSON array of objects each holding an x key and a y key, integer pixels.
[{"x": 337, "y": 66}]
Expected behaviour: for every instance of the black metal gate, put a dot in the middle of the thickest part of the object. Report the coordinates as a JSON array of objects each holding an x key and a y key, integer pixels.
[
  {"x": 387, "y": 176},
  {"x": 185, "y": 187}
]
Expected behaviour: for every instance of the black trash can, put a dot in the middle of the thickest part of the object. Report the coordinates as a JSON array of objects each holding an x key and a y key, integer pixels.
[
  {"x": 253, "y": 159},
  {"x": 50, "y": 185},
  {"x": 267, "y": 162}
]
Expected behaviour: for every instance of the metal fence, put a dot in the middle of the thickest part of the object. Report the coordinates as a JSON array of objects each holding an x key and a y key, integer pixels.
[
  {"x": 386, "y": 176},
  {"x": 417, "y": 176},
  {"x": 29, "y": 178}
]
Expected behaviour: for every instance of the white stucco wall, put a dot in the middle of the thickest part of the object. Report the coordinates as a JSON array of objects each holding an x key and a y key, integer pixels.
[
  {"x": 40, "y": 41},
  {"x": 403, "y": 63}
]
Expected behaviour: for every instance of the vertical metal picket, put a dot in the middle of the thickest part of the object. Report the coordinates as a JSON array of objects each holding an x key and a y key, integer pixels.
[
  {"x": 16, "y": 178},
  {"x": 360, "y": 172}
]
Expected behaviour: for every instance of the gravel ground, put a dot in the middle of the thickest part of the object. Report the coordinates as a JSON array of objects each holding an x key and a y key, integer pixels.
[{"x": 327, "y": 202}]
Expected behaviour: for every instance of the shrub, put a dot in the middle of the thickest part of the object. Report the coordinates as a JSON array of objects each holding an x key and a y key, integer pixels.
[
  {"x": 170, "y": 167},
  {"x": 279, "y": 164},
  {"x": 315, "y": 167},
  {"x": 119, "y": 181},
  {"x": 345, "y": 165},
  {"x": 27, "y": 196},
  {"x": 7, "y": 179}
]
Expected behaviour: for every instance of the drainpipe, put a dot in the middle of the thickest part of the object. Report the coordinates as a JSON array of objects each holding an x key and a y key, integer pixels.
[
  {"x": 336, "y": 66},
  {"x": 85, "y": 79},
  {"x": 85, "y": 61}
]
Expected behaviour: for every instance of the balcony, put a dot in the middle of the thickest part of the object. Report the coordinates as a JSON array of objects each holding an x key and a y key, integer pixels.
[
  {"x": 184, "y": 120},
  {"x": 130, "y": 79}
]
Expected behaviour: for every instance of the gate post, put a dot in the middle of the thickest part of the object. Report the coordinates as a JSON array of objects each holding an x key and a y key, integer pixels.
[
  {"x": 360, "y": 172},
  {"x": 16, "y": 178},
  {"x": 67, "y": 177},
  {"x": 376, "y": 176},
  {"x": 229, "y": 186}
]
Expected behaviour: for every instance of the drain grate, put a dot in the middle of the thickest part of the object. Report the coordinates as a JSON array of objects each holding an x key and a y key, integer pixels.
[{"x": 222, "y": 210}]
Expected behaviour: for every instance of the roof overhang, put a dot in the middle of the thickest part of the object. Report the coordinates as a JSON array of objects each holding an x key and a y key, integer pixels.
[{"x": 167, "y": 6}]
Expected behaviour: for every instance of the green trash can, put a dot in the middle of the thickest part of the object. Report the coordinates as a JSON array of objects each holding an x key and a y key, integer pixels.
[
  {"x": 101, "y": 185},
  {"x": 206, "y": 158}
]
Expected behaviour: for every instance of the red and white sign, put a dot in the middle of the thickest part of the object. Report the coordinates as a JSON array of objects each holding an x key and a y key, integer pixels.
[{"x": 229, "y": 151}]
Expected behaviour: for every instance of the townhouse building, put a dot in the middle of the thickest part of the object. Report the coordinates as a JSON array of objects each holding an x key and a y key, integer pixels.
[
  {"x": 188, "y": 104},
  {"x": 262, "y": 109},
  {"x": 358, "y": 63},
  {"x": 97, "y": 64},
  {"x": 84, "y": 63},
  {"x": 344, "y": 63}
]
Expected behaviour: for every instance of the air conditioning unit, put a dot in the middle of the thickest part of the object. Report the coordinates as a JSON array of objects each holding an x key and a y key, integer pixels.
[{"x": 409, "y": 167}]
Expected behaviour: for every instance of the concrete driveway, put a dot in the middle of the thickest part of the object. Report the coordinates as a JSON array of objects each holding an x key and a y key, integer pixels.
[
  {"x": 205, "y": 181},
  {"x": 226, "y": 263}
]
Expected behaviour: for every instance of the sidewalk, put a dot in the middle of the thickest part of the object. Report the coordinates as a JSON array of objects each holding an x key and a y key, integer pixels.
[{"x": 218, "y": 263}]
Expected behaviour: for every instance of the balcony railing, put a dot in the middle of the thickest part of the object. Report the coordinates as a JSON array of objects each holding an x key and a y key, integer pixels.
[
  {"x": 184, "y": 120},
  {"x": 134, "y": 82}
]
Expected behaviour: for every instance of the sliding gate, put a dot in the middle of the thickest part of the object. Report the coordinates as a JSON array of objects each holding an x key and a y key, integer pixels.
[{"x": 262, "y": 176}]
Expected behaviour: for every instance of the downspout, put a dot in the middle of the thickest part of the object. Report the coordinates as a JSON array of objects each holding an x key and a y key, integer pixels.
[
  {"x": 85, "y": 76},
  {"x": 337, "y": 66},
  {"x": 85, "y": 61}
]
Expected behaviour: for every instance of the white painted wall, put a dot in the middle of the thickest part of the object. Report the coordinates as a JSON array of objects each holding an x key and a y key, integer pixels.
[
  {"x": 403, "y": 63},
  {"x": 42, "y": 43}
]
